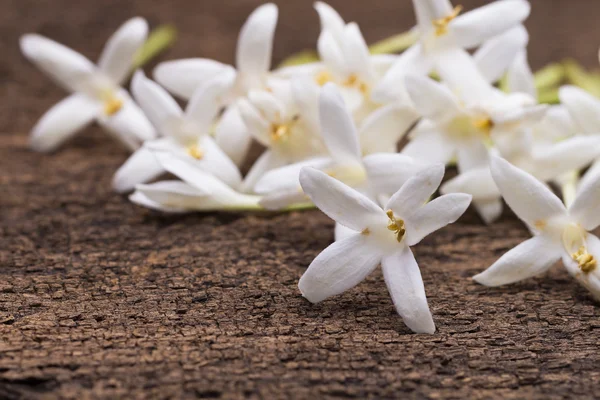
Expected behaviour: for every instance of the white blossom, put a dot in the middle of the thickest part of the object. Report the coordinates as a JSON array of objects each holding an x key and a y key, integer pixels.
[
  {"x": 253, "y": 62},
  {"x": 380, "y": 236},
  {"x": 96, "y": 89},
  {"x": 558, "y": 232}
]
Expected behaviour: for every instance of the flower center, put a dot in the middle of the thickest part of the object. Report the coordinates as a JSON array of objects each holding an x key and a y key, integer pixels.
[
  {"x": 441, "y": 24},
  {"x": 484, "y": 124},
  {"x": 575, "y": 244},
  {"x": 396, "y": 225},
  {"x": 587, "y": 262},
  {"x": 195, "y": 151},
  {"x": 355, "y": 82},
  {"x": 323, "y": 77},
  {"x": 112, "y": 106},
  {"x": 281, "y": 132}
]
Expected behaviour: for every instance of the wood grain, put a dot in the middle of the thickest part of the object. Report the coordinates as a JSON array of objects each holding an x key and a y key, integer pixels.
[{"x": 102, "y": 299}]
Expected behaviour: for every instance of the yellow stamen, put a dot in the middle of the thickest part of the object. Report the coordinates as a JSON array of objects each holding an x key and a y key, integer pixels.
[
  {"x": 441, "y": 24},
  {"x": 323, "y": 77},
  {"x": 195, "y": 151},
  {"x": 279, "y": 132},
  {"x": 587, "y": 262},
  {"x": 354, "y": 81},
  {"x": 366, "y": 232},
  {"x": 112, "y": 106},
  {"x": 396, "y": 225},
  {"x": 484, "y": 124}
]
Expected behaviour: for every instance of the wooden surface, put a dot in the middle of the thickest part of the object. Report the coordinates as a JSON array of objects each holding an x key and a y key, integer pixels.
[{"x": 102, "y": 299}]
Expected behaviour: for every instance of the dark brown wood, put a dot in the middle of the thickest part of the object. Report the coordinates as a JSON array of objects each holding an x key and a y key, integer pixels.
[{"x": 102, "y": 299}]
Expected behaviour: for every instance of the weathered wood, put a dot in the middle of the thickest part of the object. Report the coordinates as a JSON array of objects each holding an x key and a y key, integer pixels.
[{"x": 102, "y": 299}]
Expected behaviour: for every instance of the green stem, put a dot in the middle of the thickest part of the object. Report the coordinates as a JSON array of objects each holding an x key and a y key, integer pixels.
[
  {"x": 158, "y": 41},
  {"x": 394, "y": 44}
]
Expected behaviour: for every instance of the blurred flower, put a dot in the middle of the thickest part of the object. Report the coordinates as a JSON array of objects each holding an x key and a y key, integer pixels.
[
  {"x": 97, "y": 94},
  {"x": 185, "y": 133},
  {"x": 380, "y": 236},
  {"x": 253, "y": 60},
  {"x": 444, "y": 34},
  {"x": 198, "y": 190},
  {"x": 375, "y": 174},
  {"x": 558, "y": 231}
]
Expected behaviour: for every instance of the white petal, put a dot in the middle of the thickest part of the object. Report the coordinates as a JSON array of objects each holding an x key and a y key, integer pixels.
[
  {"x": 140, "y": 167},
  {"x": 477, "y": 182},
  {"x": 416, "y": 191},
  {"x": 232, "y": 136},
  {"x": 340, "y": 202},
  {"x": 129, "y": 125},
  {"x": 496, "y": 55},
  {"x": 528, "y": 259},
  {"x": 391, "y": 87},
  {"x": 520, "y": 78},
  {"x": 339, "y": 267},
  {"x": 157, "y": 104},
  {"x": 265, "y": 163},
  {"x": 586, "y": 208},
  {"x": 216, "y": 162},
  {"x": 288, "y": 177},
  {"x": 330, "y": 19},
  {"x": 337, "y": 126},
  {"x": 435, "y": 215},
  {"x": 255, "y": 42},
  {"x": 118, "y": 54},
  {"x": 403, "y": 279},
  {"x": 332, "y": 54},
  {"x": 63, "y": 65},
  {"x": 387, "y": 172},
  {"x": 431, "y": 99},
  {"x": 383, "y": 128},
  {"x": 183, "y": 77},
  {"x": 489, "y": 210},
  {"x": 267, "y": 104},
  {"x": 590, "y": 177},
  {"x": 62, "y": 121},
  {"x": 341, "y": 232},
  {"x": 429, "y": 10},
  {"x": 279, "y": 200},
  {"x": 431, "y": 147},
  {"x": 476, "y": 26},
  {"x": 472, "y": 154},
  {"x": 356, "y": 51},
  {"x": 583, "y": 107},
  {"x": 567, "y": 155},
  {"x": 208, "y": 99},
  {"x": 529, "y": 198},
  {"x": 167, "y": 196},
  {"x": 459, "y": 71}
]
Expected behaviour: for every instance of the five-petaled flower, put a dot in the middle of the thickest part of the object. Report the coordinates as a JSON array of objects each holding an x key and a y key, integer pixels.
[
  {"x": 558, "y": 231},
  {"x": 381, "y": 236},
  {"x": 97, "y": 93}
]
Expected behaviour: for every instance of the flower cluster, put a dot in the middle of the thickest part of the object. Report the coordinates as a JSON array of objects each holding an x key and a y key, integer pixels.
[{"x": 364, "y": 137}]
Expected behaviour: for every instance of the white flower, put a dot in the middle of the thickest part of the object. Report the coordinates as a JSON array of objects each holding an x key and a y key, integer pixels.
[
  {"x": 559, "y": 232},
  {"x": 97, "y": 94},
  {"x": 253, "y": 61},
  {"x": 185, "y": 133},
  {"x": 376, "y": 174},
  {"x": 199, "y": 191},
  {"x": 584, "y": 110},
  {"x": 444, "y": 34},
  {"x": 281, "y": 120},
  {"x": 381, "y": 236},
  {"x": 452, "y": 129},
  {"x": 544, "y": 163}
]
